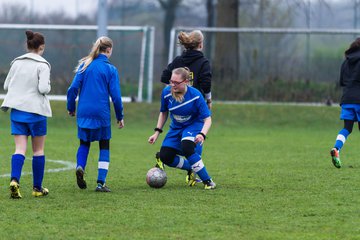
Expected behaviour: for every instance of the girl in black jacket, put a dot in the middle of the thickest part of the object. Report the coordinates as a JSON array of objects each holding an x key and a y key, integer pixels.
[
  {"x": 350, "y": 100},
  {"x": 192, "y": 58}
]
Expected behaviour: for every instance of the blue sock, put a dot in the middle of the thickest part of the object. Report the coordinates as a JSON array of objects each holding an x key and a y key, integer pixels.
[
  {"x": 82, "y": 155},
  {"x": 38, "y": 167},
  {"x": 198, "y": 166},
  {"x": 103, "y": 165},
  {"x": 180, "y": 162},
  {"x": 341, "y": 138},
  {"x": 17, "y": 162}
]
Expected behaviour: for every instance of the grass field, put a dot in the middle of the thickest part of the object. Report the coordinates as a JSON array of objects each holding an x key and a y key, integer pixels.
[{"x": 271, "y": 165}]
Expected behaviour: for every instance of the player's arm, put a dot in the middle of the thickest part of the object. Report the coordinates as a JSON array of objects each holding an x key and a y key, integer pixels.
[
  {"x": 159, "y": 126},
  {"x": 166, "y": 74},
  {"x": 8, "y": 78},
  {"x": 115, "y": 94},
  {"x": 72, "y": 93},
  {"x": 202, "y": 135},
  {"x": 44, "y": 86}
]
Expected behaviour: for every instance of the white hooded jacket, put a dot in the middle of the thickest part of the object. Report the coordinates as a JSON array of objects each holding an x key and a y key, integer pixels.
[{"x": 27, "y": 84}]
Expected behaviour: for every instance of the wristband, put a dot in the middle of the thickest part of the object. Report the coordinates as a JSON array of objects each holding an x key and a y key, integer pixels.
[
  {"x": 204, "y": 136},
  {"x": 158, "y": 130}
]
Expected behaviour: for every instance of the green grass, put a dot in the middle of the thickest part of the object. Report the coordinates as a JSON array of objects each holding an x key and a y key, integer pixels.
[{"x": 271, "y": 165}]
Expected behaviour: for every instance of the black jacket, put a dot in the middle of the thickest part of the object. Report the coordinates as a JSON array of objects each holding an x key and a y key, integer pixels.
[
  {"x": 350, "y": 77},
  {"x": 199, "y": 67}
]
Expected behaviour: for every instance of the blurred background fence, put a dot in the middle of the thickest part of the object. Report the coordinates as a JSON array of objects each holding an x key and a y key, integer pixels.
[
  {"x": 274, "y": 64},
  {"x": 281, "y": 51},
  {"x": 67, "y": 44}
]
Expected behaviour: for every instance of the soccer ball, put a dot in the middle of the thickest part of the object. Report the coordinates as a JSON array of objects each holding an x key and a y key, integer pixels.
[{"x": 156, "y": 177}]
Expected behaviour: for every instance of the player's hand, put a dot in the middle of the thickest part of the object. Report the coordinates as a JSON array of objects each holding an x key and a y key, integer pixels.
[
  {"x": 199, "y": 139},
  {"x": 121, "y": 123},
  {"x": 71, "y": 114},
  {"x": 153, "y": 138},
  {"x": 209, "y": 103}
]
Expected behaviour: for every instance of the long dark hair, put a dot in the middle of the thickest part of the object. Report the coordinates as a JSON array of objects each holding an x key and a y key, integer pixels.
[{"x": 354, "y": 46}]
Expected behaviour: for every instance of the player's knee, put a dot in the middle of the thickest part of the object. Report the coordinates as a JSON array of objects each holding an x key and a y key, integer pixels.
[
  {"x": 104, "y": 144},
  {"x": 348, "y": 125},
  {"x": 167, "y": 155},
  {"x": 188, "y": 147},
  {"x": 82, "y": 142}
]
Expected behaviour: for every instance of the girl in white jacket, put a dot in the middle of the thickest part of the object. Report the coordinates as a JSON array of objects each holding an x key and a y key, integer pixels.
[{"x": 27, "y": 84}]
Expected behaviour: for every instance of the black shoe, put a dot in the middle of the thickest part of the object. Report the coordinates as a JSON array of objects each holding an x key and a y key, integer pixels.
[
  {"x": 80, "y": 178},
  {"x": 102, "y": 188},
  {"x": 209, "y": 184}
]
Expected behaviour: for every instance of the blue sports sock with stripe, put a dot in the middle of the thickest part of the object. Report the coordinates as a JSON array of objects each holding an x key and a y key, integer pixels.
[
  {"x": 198, "y": 167},
  {"x": 103, "y": 165},
  {"x": 180, "y": 162},
  {"x": 17, "y": 162},
  {"x": 341, "y": 138},
  {"x": 38, "y": 167},
  {"x": 82, "y": 155}
]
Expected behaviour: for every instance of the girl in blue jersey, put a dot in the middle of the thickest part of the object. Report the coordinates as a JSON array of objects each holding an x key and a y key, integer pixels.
[
  {"x": 200, "y": 71},
  {"x": 97, "y": 80},
  {"x": 27, "y": 84},
  {"x": 350, "y": 100},
  {"x": 190, "y": 122}
]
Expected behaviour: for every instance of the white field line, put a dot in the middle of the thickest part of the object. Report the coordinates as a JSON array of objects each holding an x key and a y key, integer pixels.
[{"x": 66, "y": 166}]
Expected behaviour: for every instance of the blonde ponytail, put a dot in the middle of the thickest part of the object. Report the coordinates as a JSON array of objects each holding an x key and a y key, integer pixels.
[
  {"x": 191, "y": 40},
  {"x": 100, "y": 46}
]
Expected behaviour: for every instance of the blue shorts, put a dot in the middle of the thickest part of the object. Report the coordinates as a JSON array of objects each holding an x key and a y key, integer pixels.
[
  {"x": 34, "y": 129},
  {"x": 174, "y": 137},
  {"x": 350, "y": 112},
  {"x": 90, "y": 135}
]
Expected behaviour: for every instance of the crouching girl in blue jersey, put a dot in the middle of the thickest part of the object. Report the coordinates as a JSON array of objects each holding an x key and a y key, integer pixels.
[
  {"x": 96, "y": 79},
  {"x": 190, "y": 122}
]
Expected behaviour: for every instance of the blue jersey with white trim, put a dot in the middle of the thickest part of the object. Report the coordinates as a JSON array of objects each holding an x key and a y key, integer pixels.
[{"x": 192, "y": 109}]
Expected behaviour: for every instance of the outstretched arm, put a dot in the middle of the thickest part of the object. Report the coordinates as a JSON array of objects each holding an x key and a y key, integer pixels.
[{"x": 160, "y": 124}]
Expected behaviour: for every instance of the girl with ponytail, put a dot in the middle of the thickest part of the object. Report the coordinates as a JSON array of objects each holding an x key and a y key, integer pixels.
[{"x": 96, "y": 79}]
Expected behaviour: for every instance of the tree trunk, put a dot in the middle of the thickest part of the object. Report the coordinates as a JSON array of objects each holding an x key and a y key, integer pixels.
[
  {"x": 210, "y": 37},
  {"x": 226, "y": 62},
  {"x": 169, "y": 7}
]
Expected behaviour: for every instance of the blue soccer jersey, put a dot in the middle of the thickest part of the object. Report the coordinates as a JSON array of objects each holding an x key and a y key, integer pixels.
[
  {"x": 99, "y": 81},
  {"x": 191, "y": 110}
]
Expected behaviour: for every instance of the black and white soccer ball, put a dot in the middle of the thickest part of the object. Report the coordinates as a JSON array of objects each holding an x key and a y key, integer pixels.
[{"x": 156, "y": 177}]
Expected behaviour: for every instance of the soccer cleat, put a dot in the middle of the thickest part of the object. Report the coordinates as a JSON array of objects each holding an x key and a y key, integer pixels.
[
  {"x": 209, "y": 184},
  {"x": 159, "y": 163},
  {"x": 335, "y": 158},
  {"x": 190, "y": 179},
  {"x": 80, "y": 177},
  {"x": 15, "y": 190},
  {"x": 40, "y": 192},
  {"x": 102, "y": 188}
]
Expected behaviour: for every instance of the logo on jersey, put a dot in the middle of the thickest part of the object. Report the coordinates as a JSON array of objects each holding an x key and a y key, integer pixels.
[{"x": 181, "y": 119}]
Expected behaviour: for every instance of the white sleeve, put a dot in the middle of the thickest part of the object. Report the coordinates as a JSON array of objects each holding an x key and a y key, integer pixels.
[
  {"x": 8, "y": 78},
  {"x": 44, "y": 78}
]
